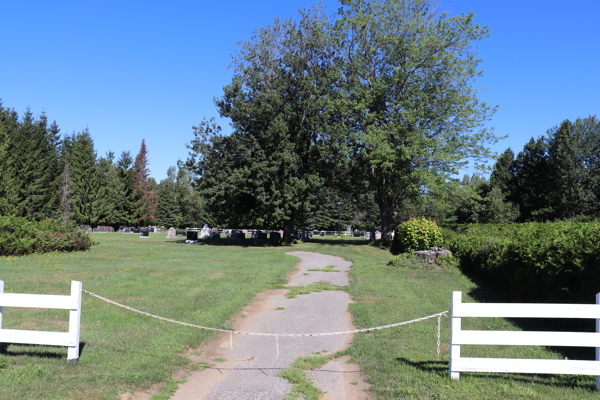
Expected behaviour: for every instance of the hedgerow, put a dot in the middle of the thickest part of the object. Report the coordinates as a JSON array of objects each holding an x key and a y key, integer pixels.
[
  {"x": 538, "y": 262},
  {"x": 18, "y": 236}
]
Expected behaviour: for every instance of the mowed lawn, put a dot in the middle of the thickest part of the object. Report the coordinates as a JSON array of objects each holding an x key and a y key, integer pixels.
[{"x": 207, "y": 285}]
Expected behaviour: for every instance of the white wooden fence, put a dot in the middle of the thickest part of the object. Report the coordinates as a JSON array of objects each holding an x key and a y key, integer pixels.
[
  {"x": 457, "y": 336},
  {"x": 72, "y": 303}
]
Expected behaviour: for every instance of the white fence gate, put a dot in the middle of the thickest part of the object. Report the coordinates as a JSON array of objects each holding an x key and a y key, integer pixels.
[
  {"x": 457, "y": 336},
  {"x": 72, "y": 303}
]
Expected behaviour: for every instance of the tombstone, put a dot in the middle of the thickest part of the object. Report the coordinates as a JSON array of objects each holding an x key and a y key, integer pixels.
[
  {"x": 429, "y": 256},
  {"x": 226, "y": 234},
  {"x": 367, "y": 235},
  {"x": 181, "y": 232},
  {"x": 234, "y": 233},
  {"x": 144, "y": 232},
  {"x": 255, "y": 234},
  {"x": 240, "y": 236},
  {"x": 275, "y": 237},
  {"x": 377, "y": 235},
  {"x": 192, "y": 235},
  {"x": 205, "y": 233},
  {"x": 216, "y": 235},
  {"x": 172, "y": 233}
]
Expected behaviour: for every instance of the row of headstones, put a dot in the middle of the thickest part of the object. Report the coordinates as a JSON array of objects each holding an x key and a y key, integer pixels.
[
  {"x": 230, "y": 233},
  {"x": 98, "y": 229}
]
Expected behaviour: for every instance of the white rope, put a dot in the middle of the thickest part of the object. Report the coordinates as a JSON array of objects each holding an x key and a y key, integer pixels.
[{"x": 231, "y": 332}]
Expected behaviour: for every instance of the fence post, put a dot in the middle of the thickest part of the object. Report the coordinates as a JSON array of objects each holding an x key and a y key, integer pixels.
[
  {"x": 597, "y": 348},
  {"x": 1, "y": 308},
  {"x": 75, "y": 321},
  {"x": 453, "y": 326}
]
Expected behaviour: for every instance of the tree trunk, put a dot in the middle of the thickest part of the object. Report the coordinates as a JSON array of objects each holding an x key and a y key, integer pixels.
[
  {"x": 289, "y": 230},
  {"x": 386, "y": 212}
]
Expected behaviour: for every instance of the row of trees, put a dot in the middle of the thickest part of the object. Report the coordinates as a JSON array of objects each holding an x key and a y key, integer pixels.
[
  {"x": 45, "y": 175},
  {"x": 554, "y": 177},
  {"x": 372, "y": 105}
]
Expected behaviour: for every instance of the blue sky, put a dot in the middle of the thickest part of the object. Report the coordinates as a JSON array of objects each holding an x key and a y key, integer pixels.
[{"x": 129, "y": 70}]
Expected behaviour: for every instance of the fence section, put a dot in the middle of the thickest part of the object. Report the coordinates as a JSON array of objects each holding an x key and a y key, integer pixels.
[
  {"x": 458, "y": 337},
  {"x": 72, "y": 303}
]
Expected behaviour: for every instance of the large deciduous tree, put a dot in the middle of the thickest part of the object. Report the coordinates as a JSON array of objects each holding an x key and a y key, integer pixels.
[
  {"x": 415, "y": 113},
  {"x": 280, "y": 102}
]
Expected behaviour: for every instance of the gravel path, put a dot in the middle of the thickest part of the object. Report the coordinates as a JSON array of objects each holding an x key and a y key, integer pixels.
[{"x": 249, "y": 370}]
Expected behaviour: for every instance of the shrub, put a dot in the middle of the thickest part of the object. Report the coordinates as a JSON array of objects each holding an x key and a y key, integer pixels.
[
  {"x": 19, "y": 236},
  {"x": 416, "y": 234},
  {"x": 539, "y": 262}
]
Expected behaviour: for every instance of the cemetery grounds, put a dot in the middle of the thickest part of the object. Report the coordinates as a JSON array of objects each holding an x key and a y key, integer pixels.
[{"x": 207, "y": 285}]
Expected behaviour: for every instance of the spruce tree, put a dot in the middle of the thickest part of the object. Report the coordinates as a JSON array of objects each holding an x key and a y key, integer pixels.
[{"x": 82, "y": 163}]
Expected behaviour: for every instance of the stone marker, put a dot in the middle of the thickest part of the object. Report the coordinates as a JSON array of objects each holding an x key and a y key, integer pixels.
[
  {"x": 275, "y": 237},
  {"x": 429, "y": 256}
]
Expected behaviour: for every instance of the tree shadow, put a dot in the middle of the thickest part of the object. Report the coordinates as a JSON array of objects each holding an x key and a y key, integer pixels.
[
  {"x": 485, "y": 292},
  {"x": 269, "y": 243},
  {"x": 233, "y": 242},
  {"x": 567, "y": 381}
]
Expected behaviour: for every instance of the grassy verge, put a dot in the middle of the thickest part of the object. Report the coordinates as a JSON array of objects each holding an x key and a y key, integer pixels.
[{"x": 123, "y": 351}]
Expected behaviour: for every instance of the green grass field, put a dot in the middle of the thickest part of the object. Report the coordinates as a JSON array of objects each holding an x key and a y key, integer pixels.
[{"x": 207, "y": 285}]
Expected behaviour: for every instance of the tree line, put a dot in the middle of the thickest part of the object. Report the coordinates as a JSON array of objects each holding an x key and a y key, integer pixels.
[
  {"x": 554, "y": 177},
  {"x": 46, "y": 176}
]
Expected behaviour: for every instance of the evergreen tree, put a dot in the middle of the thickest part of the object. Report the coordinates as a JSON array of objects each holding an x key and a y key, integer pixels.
[
  {"x": 106, "y": 205},
  {"x": 84, "y": 188},
  {"x": 127, "y": 200},
  {"x": 143, "y": 188}
]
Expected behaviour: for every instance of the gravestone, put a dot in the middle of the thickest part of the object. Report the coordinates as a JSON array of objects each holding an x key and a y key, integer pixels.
[
  {"x": 429, "y": 256},
  {"x": 192, "y": 235},
  {"x": 144, "y": 232},
  {"x": 240, "y": 236},
  {"x": 205, "y": 233},
  {"x": 172, "y": 233},
  {"x": 275, "y": 237}
]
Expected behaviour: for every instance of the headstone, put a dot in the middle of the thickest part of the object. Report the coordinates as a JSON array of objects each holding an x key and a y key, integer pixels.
[
  {"x": 240, "y": 236},
  {"x": 377, "y": 235},
  {"x": 226, "y": 234},
  {"x": 205, "y": 233},
  {"x": 255, "y": 234},
  {"x": 216, "y": 235},
  {"x": 275, "y": 237},
  {"x": 429, "y": 256},
  {"x": 172, "y": 233},
  {"x": 192, "y": 235},
  {"x": 181, "y": 232},
  {"x": 144, "y": 232}
]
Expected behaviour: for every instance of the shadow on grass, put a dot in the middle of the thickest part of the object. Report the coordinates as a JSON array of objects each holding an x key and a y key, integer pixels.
[
  {"x": 487, "y": 293},
  {"x": 37, "y": 350},
  {"x": 268, "y": 243},
  {"x": 566, "y": 381}
]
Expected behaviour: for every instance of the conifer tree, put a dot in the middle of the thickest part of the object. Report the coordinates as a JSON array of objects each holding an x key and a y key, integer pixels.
[
  {"x": 84, "y": 188},
  {"x": 145, "y": 195}
]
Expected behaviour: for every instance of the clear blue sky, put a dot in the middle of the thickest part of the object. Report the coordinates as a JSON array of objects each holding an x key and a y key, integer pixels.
[{"x": 129, "y": 70}]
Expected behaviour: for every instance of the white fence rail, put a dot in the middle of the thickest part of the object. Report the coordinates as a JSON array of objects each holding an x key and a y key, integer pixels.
[
  {"x": 72, "y": 303},
  {"x": 458, "y": 337}
]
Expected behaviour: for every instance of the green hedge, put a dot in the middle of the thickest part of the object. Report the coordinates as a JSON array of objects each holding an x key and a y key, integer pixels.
[
  {"x": 19, "y": 236},
  {"x": 538, "y": 262}
]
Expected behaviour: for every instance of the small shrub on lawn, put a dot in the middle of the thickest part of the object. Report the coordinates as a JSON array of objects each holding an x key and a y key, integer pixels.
[
  {"x": 19, "y": 236},
  {"x": 416, "y": 234}
]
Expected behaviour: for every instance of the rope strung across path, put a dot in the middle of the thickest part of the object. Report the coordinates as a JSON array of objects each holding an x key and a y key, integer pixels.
[{"x": 264, "y": 334}]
